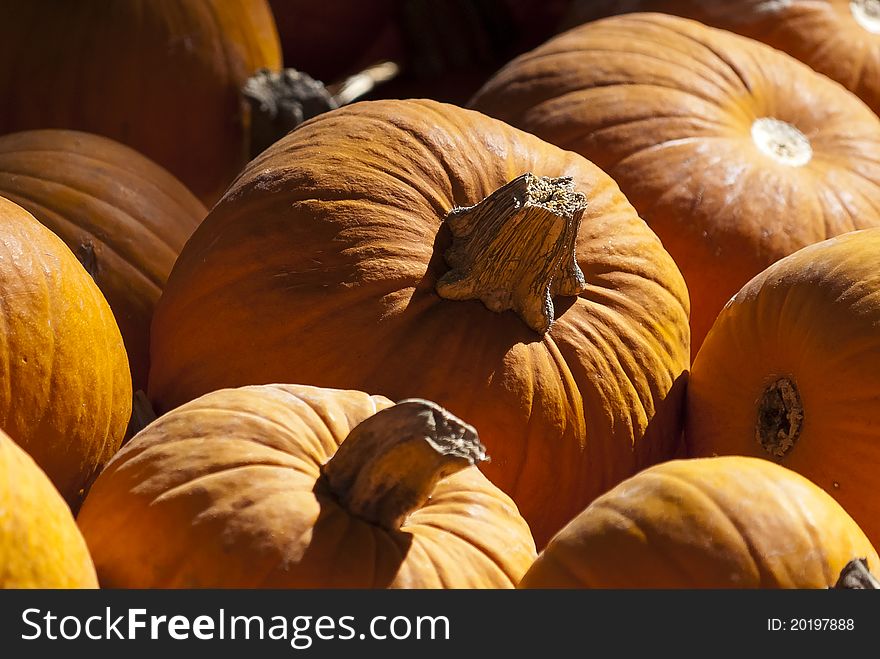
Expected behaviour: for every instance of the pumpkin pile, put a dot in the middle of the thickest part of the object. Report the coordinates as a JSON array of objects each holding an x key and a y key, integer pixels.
[{"x": 611, "y": 325}]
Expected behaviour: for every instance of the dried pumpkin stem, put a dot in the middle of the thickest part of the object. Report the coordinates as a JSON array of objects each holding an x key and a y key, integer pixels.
[
  {"x": 856, "y": 576},
  {"x": 281, "y": 100},
  {"x": 516, "y": 249},
  {"x": 390, "y": 463},
  {"x": 780, "y": 417}
]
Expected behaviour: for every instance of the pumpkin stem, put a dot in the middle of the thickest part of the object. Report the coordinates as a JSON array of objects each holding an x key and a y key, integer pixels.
[
  {"x": 780, "y": 417},
  {"x": 390, "y": 463},
  {"x": 516, "y": 249},
  {"x": 855, "y": 576},
  {"x": 281, "y": 100}
]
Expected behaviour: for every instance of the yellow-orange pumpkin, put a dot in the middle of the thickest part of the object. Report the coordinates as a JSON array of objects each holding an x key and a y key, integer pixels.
[
  {"x": 66, "y": 395},
  {"x": 123, "y": 216},
  {"x": 729, "y": 522},
  {"x": 283, "y": 486},
  {"x": 40, "y": 544},
  {"x": 734, "y": 153},
  {"x": 791, "y": 372},
  {"x": 324, "y": 265},
  {"x": 163, "y": 77}
]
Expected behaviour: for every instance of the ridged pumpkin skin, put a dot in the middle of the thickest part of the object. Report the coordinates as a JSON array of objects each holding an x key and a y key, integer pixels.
[
  {"x": 122, "y": 215},
  {"x": 226, "y": 491},
  {"x": 729, "y": 522},
  {"x": 40, "y": 544},
  {"x": 668, "y": 108},
  {"x": 319, "y": 266},
  {"x": 835, "y": 37},
  {"x": 162, "y": 76},
  {"x": 67, "y": 393},
  {"x": 811, "y": 318}
]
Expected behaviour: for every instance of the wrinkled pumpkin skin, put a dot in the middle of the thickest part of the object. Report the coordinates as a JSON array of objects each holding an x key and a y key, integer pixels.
[
  {"x": 826, "y": 35},
  {"x": 730, "y": 522},
  {"x": 40, "y": 544},
  {"x": 813, "y": 318},
  {"x": 67, "y": 396},
  {"x": 667, "y": 107},
  {"x": 226, "y": 492},
  {"x": 333, "y": 237},
  {"x": 162, "y": 76},
  {"x": 122, "y": 215}
]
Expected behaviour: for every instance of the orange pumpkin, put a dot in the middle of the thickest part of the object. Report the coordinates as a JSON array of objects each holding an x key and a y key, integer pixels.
[
  {"x": 729, "y": 522},
  {"x": 328, "y": 263},
  {"x": 283, "y": 486},
  {"x": 791, "y": 372},
  {"x": 40, "y": 544},
  {"x": 123, "y": 216},
  {"x": 840, "y": 38},
  {"x": 67, "y": 393},
  {"x": 736, "y": 154},
  {"x": 161, "y": 77}
]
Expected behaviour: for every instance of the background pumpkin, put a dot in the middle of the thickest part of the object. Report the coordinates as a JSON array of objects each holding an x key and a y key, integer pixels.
[
  {"x": 333, "y": 238},
  {"x": 285, "y": 486},
  {"x": 162, "y": 77},
  {"x": 728, "y": 522},
  {"x": 124, "y": 217},
  {"x": 40, "y": 544},
  {"x": 840, "y": 38},
  {"x": 67, "y": 393},
  {"x": 734, "y": 153},
  {"x": 791, "y": 372}
]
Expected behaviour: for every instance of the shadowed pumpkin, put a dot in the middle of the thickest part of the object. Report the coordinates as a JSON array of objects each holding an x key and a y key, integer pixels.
[{"x": 162, "y": 76}]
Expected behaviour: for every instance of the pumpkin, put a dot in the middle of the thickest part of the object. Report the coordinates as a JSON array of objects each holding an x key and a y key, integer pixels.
[
  {"x": 161, "y": 77},
  {"x": 285, "y": 486},
  {"x": 124, "y": 217},
  {"x": 734, "y": 153},
  {"x": 727, "y": 522},
  {"x": 791, "y": 372},
  {"x": 67, "y": 392},
  {"x": 331, "y": 262},
  {"x": 840, "y": 38},
  {"x": 40, "y": 544}
]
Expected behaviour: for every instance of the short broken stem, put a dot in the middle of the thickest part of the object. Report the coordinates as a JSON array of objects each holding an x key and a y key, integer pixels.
[
  {"x": 780, "y": 417},
  {"x": 515, "y": 249},
  {"x": 390, "y": 463},
  {"x": 281, "y": 100}
]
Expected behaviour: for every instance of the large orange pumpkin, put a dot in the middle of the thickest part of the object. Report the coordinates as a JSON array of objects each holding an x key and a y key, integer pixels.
[
  {"x": 40, "y": 544},
  {"x": 791, "y": 372},
  {"x": 729, "y": 522},
  {"x": 66, "y": 395},
  {"x": 736, "y": 154},
  {"x": 162, "y": 77},
  {"x": 840, "y": 38},
  {"x": 283, "y": 486},
  {"x": 122, "y": 215},
  {"x": 326, "y": 264}
]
